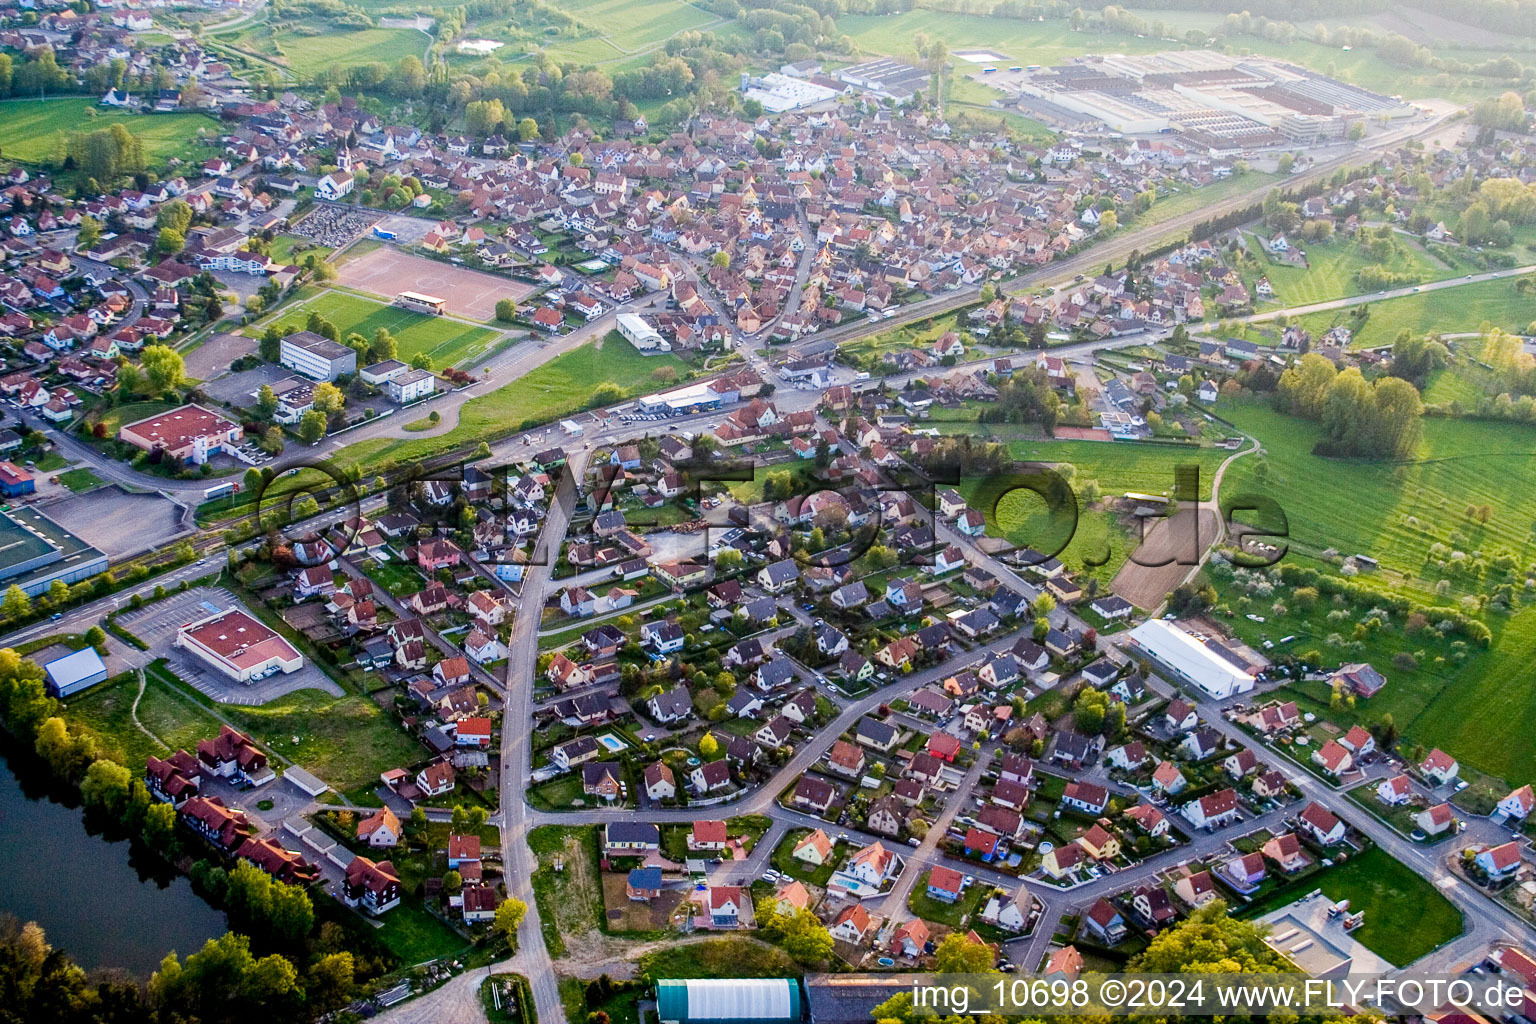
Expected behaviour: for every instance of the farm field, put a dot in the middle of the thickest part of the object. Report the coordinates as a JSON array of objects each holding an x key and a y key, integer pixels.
[
  {"x": 331, "y": 46},
  {"x": 35, "y": 128},
  {"x": 1479, "y": 705},
  {"x": 607, "y": 32},
  {"x": 1395, "y": 511},
  {"x": 1053, "y": 41},
  {"x": 1333, "y": 265},
  {"x": 447, "y": 342},
  {"x": 1452, "y": 311},
  {"x": 631, "y": 26}
]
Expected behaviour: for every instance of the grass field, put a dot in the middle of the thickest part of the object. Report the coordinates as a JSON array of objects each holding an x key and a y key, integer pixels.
[
  {"x": 569, "y": 900},
  {"x": 610, "y": 32},
  {"x": 952, "y": 914},
  {"x": 287, "y": 248},
  {"x": 633, "y": 26},
  {"x": 1096, "y": 545},
  {"x": 34, "y": 129},
  {"x": 558, "y": 388},
  {"x": 1395, "y": 511},
  {"x": 1405, "y": 915},
  {"x": 347, "y": 741},
  {"x": 735, "y": 957},
  {"x": 1478, "y": 705},
  {"x": 447, "y": 342},
  {"x": 919, "y": 334},
  {"x": 1448, "y": 311},
  {"x": 82, "y": 479},
  {"x": 106, "y": 709},
  {"x": 332, "y": 46},
  {"x": 1331, "y": 274}
]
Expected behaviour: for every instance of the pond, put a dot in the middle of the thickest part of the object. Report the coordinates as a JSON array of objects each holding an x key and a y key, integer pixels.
[{"x": 98, "y": 900}]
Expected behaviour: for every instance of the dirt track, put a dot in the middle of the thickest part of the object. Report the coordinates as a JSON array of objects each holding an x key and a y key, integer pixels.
[{"x": 1181, "y": 540}]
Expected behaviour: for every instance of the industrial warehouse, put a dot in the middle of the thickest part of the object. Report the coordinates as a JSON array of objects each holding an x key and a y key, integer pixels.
[
  {"x": 1219, "y": 102},
  {"x": 729, "y": 1001},
  {"x": 1209, "y": 665}
]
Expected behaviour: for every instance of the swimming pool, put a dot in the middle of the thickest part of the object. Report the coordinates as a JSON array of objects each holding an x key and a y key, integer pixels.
[{"x": 611, "y": 741}]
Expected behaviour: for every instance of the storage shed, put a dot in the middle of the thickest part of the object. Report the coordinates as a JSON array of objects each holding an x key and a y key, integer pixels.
[
  {"x": 729, "y": 1001},
  {"x": 75, "y": 672}
]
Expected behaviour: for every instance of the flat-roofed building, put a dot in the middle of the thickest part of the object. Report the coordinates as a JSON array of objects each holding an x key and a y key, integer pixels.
[
  {"x": 378, "y": 373},
  {"x": 1205, "y": 664},
  {"x": 642, "y": 335},
  {"x": 411, "y": 385},
  {"x": 191, "y": 434},
  {"x": 315, "y": 357},
  {"x": 239, "y": 646},
  {"x": 35, "y": 551}
]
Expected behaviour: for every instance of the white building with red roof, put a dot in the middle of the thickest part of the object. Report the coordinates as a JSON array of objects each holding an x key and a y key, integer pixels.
[{"x": 239, "y": 646}]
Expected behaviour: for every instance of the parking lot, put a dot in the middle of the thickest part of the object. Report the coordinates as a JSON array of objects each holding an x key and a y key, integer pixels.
[
  {"x": 212, "y": 357},
  {"x": 239, "y": 388},
  {"x": 117, "y": 522},
  {"x": 156, "y": 625}
]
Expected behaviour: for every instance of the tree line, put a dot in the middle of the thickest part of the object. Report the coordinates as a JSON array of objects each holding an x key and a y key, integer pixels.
[{"x": 277, "y": 964}]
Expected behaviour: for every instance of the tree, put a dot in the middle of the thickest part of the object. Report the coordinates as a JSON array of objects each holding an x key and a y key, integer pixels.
[
  {"x": 1089, "y": 710},
  {"x": 97, "y": 638},
  {"x": 384, "y": 346},
  {"x": 106, "y": 786},
  {"x": 266, "y": 402},
  {"x": 67, "y": 754},
  {"x": 805, "y": 938},
  {"x": 312, "y": 426},
  {"x": 509, "y": 916},
  {"x": 328, "y": 398},
  {"x": 1108, "y": 221},
  {"x": 175, "y": 214},
  {"x": 709, "y": 747},
  {"x": 506, "y": 310},
  {"x": 89, "y": 234},
  {"x": 170, "y": 242},
  {"x": 163, "y": 368},
  {"x": 293, "y": 913},
  {"x": 721, "y": 259},
  {"x": 16, "y": 604},
  {"x": 330, "y": 982},
  {"x": 606, "y": 393},
  {"x": 271, "y": 345},
  {"x": 958, "y": 955},
  {"x": 159, "y": 825}
]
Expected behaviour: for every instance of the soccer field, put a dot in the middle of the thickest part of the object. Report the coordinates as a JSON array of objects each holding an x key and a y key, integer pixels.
[{"x": 446, "y": 342}]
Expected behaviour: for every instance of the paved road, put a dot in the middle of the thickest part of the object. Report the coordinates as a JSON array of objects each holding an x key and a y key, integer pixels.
[{"x": 517, "y": 748}]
